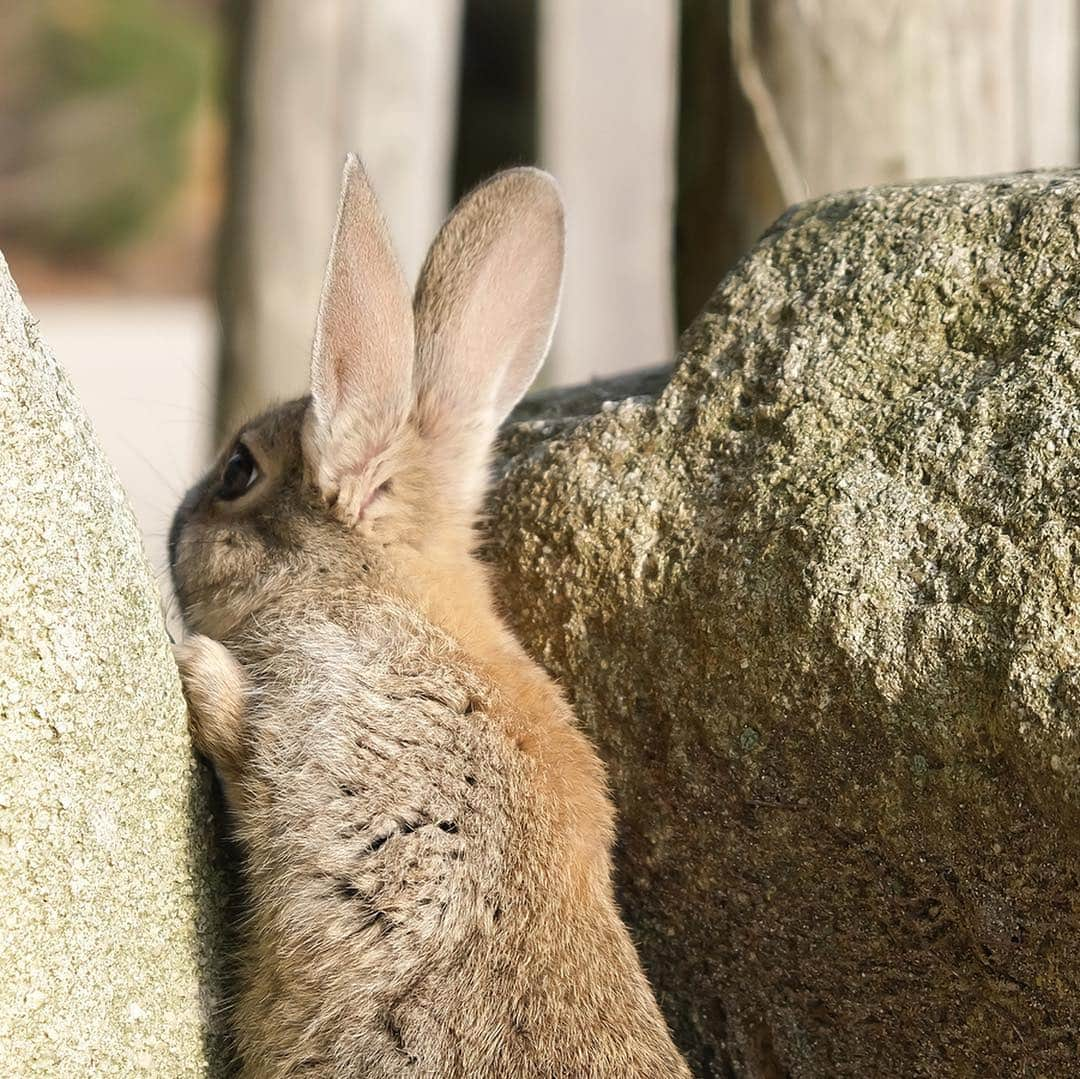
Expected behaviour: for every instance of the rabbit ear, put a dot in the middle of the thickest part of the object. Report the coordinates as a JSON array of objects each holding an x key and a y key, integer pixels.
[
  {"x": 486, "y": 303},
  {"x": 361, "y": 368}
]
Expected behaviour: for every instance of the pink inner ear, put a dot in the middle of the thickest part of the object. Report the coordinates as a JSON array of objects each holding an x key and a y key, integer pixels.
[
  {"x": 487, "y": 300},
  {"x": 361, "y": 370}
]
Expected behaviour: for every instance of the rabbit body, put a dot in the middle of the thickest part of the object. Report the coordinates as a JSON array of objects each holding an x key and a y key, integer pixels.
[
  {"x": 425, "y": 833},
  {"x": 422, "y": 901}
]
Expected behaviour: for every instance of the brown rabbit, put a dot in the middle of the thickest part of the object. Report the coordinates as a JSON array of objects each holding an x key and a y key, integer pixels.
[{"x": 426, "y": 834}]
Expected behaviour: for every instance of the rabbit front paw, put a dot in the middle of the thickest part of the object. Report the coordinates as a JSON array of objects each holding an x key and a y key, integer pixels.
[{"x": 215, "y": 688}]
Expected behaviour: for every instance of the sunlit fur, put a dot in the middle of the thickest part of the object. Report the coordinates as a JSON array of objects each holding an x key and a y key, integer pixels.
[{"x": 426, "y": 834}]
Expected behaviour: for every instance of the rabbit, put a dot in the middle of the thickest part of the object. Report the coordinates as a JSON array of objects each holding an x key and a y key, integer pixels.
[{"x": 425, "y": 833}]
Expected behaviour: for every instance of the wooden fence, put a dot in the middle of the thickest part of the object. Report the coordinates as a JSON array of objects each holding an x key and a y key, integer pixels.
[{"x": 677, "y": 131}]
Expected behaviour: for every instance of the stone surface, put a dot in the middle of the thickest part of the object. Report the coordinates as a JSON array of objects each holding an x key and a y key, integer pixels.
[
  {"x": 107, "y": 920},
  {"x": 818, "y": 602}
]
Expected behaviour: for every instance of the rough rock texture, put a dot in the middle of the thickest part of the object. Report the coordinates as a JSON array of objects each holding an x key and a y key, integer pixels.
[
  {"x": 818, "y": 601},
  {"x": 105, "y": 902}
]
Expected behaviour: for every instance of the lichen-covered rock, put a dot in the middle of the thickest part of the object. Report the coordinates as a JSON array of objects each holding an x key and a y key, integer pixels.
[
  {"x": 108, "y": 920},
  {"x": 818, "y": 602}
]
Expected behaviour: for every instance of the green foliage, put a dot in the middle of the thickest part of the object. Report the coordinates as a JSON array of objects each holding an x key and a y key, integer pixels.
[{"x": 113, "y": 86}]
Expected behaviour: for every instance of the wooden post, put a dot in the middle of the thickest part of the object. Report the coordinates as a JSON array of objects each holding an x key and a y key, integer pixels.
[
  {"x": 607, "y": 132},
  {"x": 787, "y": 99},
  {"x": 319, "y": 79}
]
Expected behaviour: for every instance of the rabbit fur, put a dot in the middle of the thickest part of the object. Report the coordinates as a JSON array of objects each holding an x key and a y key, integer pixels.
[{"x": 426, "y": 834}]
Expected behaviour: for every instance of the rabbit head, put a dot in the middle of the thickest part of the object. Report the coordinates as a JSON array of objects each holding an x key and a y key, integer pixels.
[{"x": 389, "y": 452}]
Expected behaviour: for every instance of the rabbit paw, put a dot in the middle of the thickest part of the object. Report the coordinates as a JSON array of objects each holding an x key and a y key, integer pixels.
[{"x": 215, "y": 688}]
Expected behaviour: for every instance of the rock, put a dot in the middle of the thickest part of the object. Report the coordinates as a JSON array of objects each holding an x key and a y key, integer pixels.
[
  {"x": 109, "y": 920},
  {"x": 818, "y": 603}
]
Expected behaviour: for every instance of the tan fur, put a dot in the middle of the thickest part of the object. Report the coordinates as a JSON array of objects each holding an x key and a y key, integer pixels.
[{"x": 426, "y": 833}]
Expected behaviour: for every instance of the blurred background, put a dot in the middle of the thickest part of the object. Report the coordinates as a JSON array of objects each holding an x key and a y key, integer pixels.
[{"x": 169, "y": 168}]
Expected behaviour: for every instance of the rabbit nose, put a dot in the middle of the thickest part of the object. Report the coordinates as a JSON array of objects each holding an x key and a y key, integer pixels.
[
  {"x": 180, "y": 519},
  {"x": 174, "y": 537}
]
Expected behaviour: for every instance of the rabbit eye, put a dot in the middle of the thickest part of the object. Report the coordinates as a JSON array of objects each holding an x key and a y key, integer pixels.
[{"x": 239, "y": 473}]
